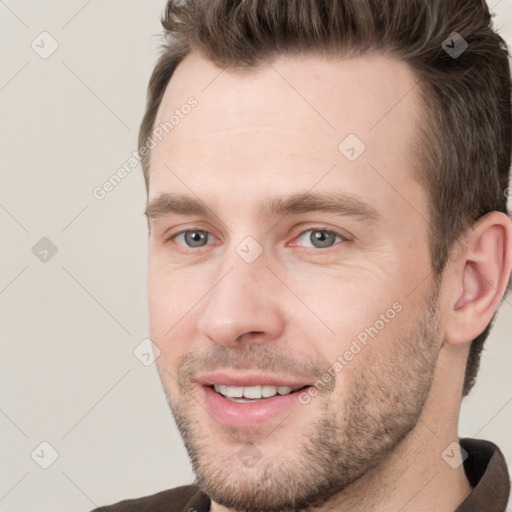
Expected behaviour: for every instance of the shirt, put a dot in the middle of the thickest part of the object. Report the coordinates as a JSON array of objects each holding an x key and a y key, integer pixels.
[{"x": 485, "y": 468}]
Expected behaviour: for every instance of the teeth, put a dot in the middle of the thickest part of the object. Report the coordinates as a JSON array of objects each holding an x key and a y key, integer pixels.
[
  {"x": 252, "y": 392},
  {"x": 267, "y": 391}
]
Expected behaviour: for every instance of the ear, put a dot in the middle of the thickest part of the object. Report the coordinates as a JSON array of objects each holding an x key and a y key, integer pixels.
[{"x": 478, "y": 279}]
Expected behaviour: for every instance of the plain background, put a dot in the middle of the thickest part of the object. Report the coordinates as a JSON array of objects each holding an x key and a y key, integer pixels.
[{"x": 70, "y": 324}]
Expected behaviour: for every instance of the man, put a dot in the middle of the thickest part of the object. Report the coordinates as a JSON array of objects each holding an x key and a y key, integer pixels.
[{"x": 329, "y": 243}]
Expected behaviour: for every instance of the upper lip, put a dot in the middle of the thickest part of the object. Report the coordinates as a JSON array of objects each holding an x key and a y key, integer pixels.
[{"x": 249, "y": 379}]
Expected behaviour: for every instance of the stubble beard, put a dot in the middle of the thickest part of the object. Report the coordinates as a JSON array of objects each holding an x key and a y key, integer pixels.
[{"x": 383, "y": 405}]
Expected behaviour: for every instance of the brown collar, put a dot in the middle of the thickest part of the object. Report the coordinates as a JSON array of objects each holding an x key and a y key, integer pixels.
[{"x": 486, "y": 471}]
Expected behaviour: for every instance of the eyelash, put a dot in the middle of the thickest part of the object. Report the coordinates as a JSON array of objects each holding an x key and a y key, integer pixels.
[{"x": 321, "y": 229}]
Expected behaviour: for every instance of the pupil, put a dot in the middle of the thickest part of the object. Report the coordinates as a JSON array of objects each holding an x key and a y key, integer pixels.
[
  {"x": 195, "y": 238},
  {"x": 322, "y": 238}
]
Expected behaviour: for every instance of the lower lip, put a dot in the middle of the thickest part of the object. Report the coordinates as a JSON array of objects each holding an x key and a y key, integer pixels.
[{"x": 235, "y": 414}]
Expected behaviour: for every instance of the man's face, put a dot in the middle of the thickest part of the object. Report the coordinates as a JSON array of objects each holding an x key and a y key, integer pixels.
[{"x": 290, "y": 255}]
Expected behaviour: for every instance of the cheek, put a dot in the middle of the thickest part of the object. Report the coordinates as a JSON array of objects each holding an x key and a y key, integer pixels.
[
  {"x": 371, "y": 354},
  {"x": 170, "y": 297},
  {"x": 174, "y": 308},
  {"x": 158, "y": 304},
  {"x": 344, "y": 306},
  {"x": 358, "y": 322}
]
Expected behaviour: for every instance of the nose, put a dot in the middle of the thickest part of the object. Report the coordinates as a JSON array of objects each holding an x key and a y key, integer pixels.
[{"x": 243, "y": 307}]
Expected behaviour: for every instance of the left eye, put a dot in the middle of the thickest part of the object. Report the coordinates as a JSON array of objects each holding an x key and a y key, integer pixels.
[{"x": 319, "y": 238}]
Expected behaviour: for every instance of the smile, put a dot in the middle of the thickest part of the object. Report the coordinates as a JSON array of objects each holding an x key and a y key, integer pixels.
[{"x": 247, "y": 394}]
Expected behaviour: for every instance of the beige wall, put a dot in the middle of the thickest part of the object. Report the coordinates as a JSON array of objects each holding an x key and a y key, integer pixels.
[{"x": 69, "y": 326}]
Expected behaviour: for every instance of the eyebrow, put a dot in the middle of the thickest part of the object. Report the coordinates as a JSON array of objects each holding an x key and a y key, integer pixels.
[
  {"x": 336, "y": 203},
  {"x": 165, "y": 204}
]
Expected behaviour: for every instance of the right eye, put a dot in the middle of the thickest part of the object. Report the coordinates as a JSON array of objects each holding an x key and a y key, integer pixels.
[{"x": 192, "y": 238}]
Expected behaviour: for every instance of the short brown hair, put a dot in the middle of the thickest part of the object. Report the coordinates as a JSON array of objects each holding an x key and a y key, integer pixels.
[{"x": 465, "y": 133}]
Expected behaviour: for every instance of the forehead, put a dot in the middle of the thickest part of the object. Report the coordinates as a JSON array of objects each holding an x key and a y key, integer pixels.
[
  {"x": 286, "y": 123},
  {"x": 330, "y": 83}
]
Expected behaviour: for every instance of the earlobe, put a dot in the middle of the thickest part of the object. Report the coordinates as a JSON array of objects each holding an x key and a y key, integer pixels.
[{"x": 480, "y": 278}]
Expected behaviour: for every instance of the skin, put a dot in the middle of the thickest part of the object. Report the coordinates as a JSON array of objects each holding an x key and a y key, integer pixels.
[{"x": 373, "y": 438}]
